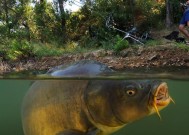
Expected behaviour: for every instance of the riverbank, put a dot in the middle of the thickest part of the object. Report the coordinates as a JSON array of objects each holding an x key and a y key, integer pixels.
[{"x": 161, "y": 56}]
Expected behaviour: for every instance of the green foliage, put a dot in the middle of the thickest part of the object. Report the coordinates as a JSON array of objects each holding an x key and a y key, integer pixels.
[
  {"x": 71, "y": 46},
  {"x": 52, "y": 25},
  {"x": 19, "y": 50},
  {"x": 45, "y": 21},
  {"x": 150, "y": 14},
  {"x": 87, "y": 42},
  {"x": 41, "y": 50},
  {"x": 120, "y": 44},
  {"x": 183, "y": 46},
  {"x": 108, "y": 45},
  {"x": 177, "y": 11},
  {"x": 153, "y": 43},
  {"x": 3, "y": 37}
]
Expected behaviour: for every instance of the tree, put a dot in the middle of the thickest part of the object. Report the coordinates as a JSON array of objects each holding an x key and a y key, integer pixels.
[
  {"x": 48, "y": 22},
  {"x": 45, "y": 21},
  {"x": 62, "y": 14},
  {"x": 168, "y": 14},
  {"x": 13, "y": 15},
  {"x": 7, "y": 13}
]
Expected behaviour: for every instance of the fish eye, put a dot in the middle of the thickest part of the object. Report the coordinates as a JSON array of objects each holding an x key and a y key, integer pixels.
[{"x": 131, "y": 92}]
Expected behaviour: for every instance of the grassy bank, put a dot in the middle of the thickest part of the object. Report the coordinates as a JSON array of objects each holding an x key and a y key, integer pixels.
[{"x": 22, "y": 50}]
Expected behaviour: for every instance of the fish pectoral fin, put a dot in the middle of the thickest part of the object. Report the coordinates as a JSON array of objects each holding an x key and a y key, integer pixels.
[{"x": 71, "y": 132}]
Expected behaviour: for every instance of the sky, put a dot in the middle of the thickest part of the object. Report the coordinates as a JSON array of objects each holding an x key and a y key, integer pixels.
[{"x": 71, "y": 6}]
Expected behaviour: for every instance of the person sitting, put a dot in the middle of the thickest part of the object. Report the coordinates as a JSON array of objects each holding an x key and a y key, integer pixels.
[{"x": 185, "y": 22}]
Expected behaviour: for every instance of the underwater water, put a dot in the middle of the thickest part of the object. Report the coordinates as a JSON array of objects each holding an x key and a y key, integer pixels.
[
  {"x": 174, "y": 118},
  {"x": 174, "y": 121}
]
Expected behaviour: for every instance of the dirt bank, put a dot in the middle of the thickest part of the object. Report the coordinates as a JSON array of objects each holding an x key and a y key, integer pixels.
[{"x": 137, "y": 57}]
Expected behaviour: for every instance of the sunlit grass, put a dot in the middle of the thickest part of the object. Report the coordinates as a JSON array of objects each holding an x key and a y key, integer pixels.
[
  {"x": 16, "y": 50},
  {"x": 41, "y": 50},
  {"x": 183, "y": 46},
  {"x": 154, "y": 42}
]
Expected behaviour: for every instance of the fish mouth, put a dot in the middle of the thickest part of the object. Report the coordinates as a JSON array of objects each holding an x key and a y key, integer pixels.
[{"x": 161, "y": 98}]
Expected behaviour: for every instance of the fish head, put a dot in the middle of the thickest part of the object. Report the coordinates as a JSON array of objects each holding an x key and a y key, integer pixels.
[{"x": 137, "y": 99}]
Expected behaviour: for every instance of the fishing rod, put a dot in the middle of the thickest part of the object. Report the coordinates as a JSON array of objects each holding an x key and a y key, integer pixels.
[{"x": 128, "y": 34}]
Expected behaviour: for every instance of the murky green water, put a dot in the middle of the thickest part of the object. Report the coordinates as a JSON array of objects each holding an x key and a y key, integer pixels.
[
  {"x": 174, "y": 121},
  {"x": 175, "y": 117}
]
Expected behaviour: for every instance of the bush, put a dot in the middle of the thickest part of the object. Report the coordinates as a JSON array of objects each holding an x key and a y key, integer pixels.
[
  {"x": 41, "y": 50},
  {"x": 120, "y": 44},
  {"x": 19, "y": 50},
  {"x": 182, "y": 46}
]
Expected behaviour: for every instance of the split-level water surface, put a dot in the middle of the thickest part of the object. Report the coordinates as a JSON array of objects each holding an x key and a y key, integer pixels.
[{"x": 174, "y": 120}]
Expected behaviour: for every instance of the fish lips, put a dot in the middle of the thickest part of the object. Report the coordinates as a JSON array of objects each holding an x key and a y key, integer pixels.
[{"x": 159, "y": 97}]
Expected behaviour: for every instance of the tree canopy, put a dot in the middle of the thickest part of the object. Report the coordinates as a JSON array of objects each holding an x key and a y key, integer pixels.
[{"x": 43, "y": 21}]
